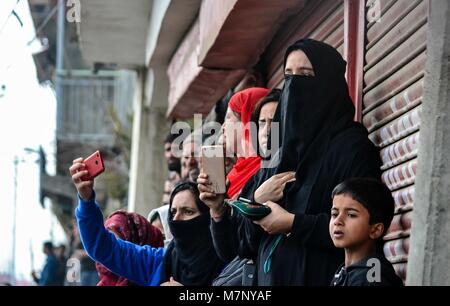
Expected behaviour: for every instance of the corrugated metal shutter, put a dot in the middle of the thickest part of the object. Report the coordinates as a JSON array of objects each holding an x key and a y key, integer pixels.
[
  {"x": 320, "y": 20},
  {"x": 393, "y": 84}
]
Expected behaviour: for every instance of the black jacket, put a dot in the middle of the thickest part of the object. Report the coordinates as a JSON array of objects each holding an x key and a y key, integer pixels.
[{"x": 372, "y": 271}]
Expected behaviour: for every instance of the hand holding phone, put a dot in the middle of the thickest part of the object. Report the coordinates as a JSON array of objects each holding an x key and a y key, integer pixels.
[
  {"x": 81, "y": 179},
  {"x": 94, "y": 165},
  {"x": 213, "y": 164}
]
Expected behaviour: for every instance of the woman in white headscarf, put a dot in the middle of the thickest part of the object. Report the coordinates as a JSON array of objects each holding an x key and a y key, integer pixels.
[{"x": 159, "y": 217}]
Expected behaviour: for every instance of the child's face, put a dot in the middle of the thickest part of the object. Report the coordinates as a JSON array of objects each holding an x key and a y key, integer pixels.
[{"x": 349, "y": 224}]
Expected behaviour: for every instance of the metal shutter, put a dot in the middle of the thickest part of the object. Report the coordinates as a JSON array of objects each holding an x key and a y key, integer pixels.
[{"x": 393, "y": 84}]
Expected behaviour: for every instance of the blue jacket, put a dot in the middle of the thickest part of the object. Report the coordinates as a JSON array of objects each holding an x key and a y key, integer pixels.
[
  {"x": 140, "y": 264},
  {"x": 50, "y": 275}
]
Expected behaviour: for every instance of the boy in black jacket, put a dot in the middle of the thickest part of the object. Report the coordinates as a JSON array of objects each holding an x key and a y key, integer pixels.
[{"x": 361, "y": 214}]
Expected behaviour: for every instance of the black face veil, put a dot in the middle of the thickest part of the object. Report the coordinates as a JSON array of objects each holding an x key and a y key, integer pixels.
[
  {"x": 311, "y": 111},
  {"x": 190, "y": 257}
]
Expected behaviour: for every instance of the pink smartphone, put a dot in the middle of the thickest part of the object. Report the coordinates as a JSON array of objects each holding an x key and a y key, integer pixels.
[{"x": 94, "y": 165}]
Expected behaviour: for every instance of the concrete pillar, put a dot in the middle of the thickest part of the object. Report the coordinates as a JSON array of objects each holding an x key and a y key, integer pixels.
[
  {"x": 429, "y": 251},
  {"x": 135, "y": 174},
  {"x": 148, "y": 169}
]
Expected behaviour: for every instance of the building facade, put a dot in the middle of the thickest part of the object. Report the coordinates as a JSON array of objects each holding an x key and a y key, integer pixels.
[{"x": 397, "y": 70}]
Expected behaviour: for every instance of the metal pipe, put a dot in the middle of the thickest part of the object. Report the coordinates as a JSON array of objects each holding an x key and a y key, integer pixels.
[{"x": 59, "y": 63}]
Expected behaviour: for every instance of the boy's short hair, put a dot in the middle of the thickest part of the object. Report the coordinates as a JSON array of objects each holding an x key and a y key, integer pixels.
[{"x": 373, "y": 195}]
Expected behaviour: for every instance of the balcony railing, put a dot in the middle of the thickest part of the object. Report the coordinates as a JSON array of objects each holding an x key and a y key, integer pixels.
[{"x": 87, "y": 100}]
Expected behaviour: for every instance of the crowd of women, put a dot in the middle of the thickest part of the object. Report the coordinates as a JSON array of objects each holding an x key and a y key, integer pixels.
[{"x": 198, "y": 239}]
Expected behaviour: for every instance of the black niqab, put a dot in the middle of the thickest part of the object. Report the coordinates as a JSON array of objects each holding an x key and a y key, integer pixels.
[
  {"x": 190, "y": 257},
  {"x": 312, "y": 111}
]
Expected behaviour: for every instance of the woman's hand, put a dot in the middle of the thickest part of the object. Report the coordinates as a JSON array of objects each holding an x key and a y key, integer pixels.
[
  {"x": 279, "y": 221},
  {"x": 214, "y": 201},
  {"x": 84, "y": 188},
  {"x": 171, "y": 282},
  {"x": 272, "y": 189}
]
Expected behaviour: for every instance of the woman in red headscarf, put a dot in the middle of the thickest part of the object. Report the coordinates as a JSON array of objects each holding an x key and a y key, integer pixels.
[
  {"x": 130, "y": 227},
  {"x": 240, "y": 109}
]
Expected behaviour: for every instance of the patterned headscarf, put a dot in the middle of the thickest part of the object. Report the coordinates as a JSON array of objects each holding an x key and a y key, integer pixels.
[{"x": 132, "y": 227}]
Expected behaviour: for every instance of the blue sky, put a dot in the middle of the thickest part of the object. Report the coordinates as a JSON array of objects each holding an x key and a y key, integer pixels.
[{"x": 27, "y": 119}]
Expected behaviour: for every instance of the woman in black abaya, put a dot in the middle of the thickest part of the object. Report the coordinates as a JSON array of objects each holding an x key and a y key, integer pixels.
[{"x": 324, "y": 146}]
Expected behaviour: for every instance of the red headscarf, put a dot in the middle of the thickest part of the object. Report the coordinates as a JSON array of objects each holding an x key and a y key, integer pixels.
[
  {"x": 130, "y": 227},
  {"x": 243, "y": 102}
]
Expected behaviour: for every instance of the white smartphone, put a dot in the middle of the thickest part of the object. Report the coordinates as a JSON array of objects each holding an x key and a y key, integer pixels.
[{"x": 213, "y": 164}]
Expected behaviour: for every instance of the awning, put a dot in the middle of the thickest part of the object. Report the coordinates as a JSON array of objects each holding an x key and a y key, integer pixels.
[{"x": 226, "y": 41}]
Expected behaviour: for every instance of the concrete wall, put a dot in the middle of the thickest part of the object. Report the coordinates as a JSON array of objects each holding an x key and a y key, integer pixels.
[{"x": 429, "y": 252}]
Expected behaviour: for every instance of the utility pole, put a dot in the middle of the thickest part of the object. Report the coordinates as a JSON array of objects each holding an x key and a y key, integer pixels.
[
  {"x": 16, "y": 162},
  {"x": 13, "y": 261}
]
